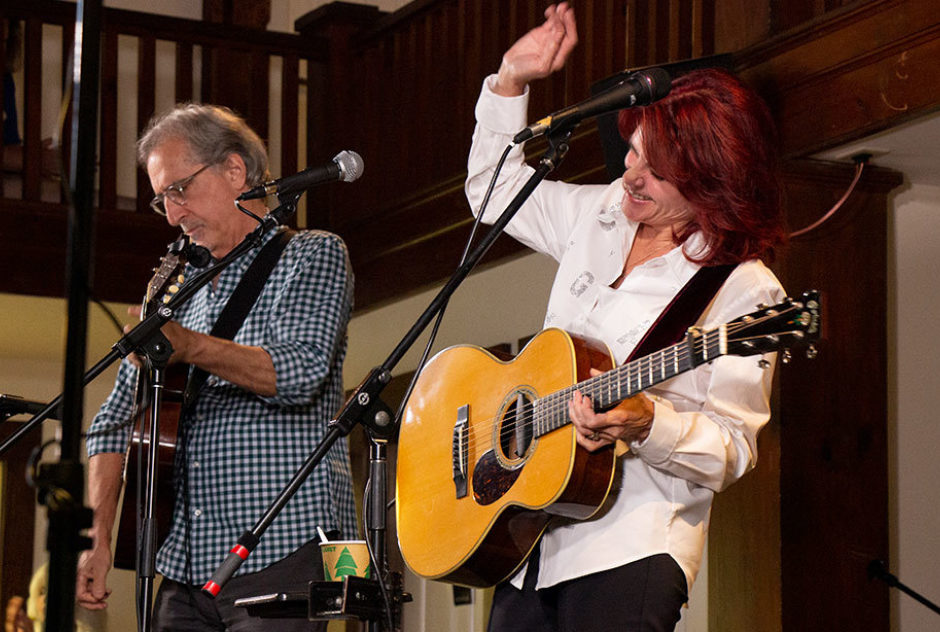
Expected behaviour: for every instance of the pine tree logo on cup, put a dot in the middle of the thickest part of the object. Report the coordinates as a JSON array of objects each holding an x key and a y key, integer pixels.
[{"x": 345, "y": 557}]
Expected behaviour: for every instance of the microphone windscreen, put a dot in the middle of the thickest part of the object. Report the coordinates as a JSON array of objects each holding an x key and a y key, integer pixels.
[
  {"x": 350, "y": 165},
  {"x": 659, "y": 81}
]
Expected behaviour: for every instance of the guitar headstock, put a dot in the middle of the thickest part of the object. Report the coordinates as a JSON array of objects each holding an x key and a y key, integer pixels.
[
  {"x": 792, "y": 323},
  {"x": 167, "y": 276}
]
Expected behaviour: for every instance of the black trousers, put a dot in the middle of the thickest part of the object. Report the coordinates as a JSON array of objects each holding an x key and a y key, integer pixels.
[
  {"x": 181, "y": 607},
  {"x": 643, "y": 596}
]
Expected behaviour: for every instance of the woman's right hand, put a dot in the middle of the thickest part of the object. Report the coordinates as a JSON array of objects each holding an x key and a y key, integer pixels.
[{"x": 540, "y": 52}]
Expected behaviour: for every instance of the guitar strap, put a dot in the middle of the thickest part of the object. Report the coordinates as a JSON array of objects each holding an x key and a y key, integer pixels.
[
  {"x": 684, "y": 309},
  {"x": 239, "y": 304}
]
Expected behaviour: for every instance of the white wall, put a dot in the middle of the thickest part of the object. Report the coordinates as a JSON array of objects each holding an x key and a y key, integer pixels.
[
  {"x": 914, "y": 399},
  {"x": 32, "y": 365}
]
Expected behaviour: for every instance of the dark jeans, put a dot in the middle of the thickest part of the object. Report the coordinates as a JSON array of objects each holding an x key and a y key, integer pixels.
[
  {"x": 643, "y": 596},
  {"x": 180, "y": 607}
]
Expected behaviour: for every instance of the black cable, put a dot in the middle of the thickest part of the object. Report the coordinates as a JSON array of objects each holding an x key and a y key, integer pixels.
[
  {"x": 379, "y": 575},
  {"x": 111, "y": 316},
  {"x": 440, "y": 314}
]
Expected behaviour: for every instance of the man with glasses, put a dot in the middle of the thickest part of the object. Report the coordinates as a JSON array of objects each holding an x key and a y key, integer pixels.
[{"x": 262, "y": 409}]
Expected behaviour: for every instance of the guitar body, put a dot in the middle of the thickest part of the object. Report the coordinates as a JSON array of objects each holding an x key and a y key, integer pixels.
[
  {"x": 126, "y": 547},
  {"x": 514, "y": 484}
]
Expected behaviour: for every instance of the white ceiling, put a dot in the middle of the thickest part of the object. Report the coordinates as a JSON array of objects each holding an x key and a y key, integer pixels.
[{"x": 913, "y": 149}]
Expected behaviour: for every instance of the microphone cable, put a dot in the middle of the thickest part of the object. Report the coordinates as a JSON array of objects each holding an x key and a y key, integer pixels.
[{"x": 440, "y": 314}]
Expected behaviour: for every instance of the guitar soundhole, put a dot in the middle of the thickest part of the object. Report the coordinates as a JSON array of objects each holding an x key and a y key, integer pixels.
[
  {"x": 515, "y": 427},
  {"x": 498, "y": 469}
]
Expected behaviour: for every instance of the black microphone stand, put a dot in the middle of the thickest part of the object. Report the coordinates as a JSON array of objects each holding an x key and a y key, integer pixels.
[
  {"x": 61, "y": 485},
  {"x": 157, "y": 352},
  {"x": 364, "y": 406},
  {"x": 12, "y": 405},
  {"x": 138, "y": 337},
  {"x": 877, "y": 569}
]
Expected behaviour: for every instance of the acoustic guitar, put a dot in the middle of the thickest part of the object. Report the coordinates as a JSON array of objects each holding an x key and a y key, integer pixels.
[
  {"x": 165, "y": 282},
  {"x": 487, "y": 455}
]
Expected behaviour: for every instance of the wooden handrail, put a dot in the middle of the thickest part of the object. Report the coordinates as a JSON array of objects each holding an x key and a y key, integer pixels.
[{"x": 148, "y": 30}]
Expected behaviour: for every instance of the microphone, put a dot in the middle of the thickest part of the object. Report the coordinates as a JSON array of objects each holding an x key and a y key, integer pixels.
[
  {"x": 346, "y": 167},
  {"x": 640, "y": 88}
]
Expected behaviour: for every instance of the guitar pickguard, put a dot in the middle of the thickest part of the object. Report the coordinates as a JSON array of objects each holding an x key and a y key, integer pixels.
[{"x": 491, "y": 480}]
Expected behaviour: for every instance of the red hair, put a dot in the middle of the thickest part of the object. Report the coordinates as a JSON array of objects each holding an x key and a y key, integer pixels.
[{"x": 712, "y": 137}]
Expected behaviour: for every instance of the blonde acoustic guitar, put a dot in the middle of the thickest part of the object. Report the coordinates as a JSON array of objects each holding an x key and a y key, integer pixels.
[{"x": 487, "y": 455}]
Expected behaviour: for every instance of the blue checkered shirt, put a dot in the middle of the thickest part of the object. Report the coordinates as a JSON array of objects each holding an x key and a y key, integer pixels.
[{"x": 241, "y": 448}]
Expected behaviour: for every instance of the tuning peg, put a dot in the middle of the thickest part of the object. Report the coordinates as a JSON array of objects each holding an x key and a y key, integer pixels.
[
  {"x": 762, "y": 363},
  {"x": 762, "y": 306},
  {"x": 812, "y": 352},
  {"x": 786, "y": 356}
]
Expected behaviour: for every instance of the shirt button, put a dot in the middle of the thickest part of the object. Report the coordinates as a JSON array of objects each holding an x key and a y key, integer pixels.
[
  {"x": 197, "y": 512},
  {"x": 195, "y": 463}
]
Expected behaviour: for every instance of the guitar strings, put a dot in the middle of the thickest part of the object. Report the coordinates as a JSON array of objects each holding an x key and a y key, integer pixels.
[{"x": 556, "y": 404}]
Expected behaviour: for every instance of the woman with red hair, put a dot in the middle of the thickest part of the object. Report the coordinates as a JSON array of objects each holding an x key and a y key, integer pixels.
[{"x": 699, "y": 190}]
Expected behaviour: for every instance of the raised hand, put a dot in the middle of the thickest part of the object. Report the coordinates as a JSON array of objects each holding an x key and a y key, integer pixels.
[{"x": 540, "y": 52}]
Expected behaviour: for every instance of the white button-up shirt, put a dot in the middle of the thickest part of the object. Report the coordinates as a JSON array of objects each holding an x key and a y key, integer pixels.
[{"x": 704, "y": 432}]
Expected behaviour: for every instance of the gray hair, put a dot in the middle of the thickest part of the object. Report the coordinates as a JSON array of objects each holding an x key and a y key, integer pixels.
[{"x": 212, "y": 132}]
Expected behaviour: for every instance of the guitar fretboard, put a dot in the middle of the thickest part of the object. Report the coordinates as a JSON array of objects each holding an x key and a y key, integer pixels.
[{"x": 608, "y": 389}]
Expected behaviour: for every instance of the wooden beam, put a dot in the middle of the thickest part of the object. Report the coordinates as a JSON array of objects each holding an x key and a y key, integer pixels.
[{"x": 849, "y": 74}]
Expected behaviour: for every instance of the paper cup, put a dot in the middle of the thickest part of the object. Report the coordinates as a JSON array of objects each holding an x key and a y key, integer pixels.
[{"x": 344, "y": 557}]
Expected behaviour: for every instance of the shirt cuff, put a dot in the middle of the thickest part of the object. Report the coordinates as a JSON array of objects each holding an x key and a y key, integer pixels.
[
  {"x": 663, "y": 436},
  {"x": 499, "y": 114}
]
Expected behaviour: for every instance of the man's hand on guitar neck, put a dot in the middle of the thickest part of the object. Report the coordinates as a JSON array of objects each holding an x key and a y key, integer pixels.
[{"x": 628, "y": 421}]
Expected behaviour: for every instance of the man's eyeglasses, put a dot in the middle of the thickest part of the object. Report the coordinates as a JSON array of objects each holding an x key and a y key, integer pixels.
[{"x": 175, "y": 193}]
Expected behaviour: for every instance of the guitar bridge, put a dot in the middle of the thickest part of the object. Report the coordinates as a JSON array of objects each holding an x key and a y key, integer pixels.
[{"x": 461, "y": 450}]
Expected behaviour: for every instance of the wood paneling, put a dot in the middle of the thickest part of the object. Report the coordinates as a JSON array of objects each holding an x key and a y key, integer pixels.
[
  {"x": 796, "y": 534},
  {"x": 18, "y": 500},
  {"x": 37, "y": 237},
  {"x": 127, "y": 247},
  {"x": 416, "y": 75},
  {"x": 833, "y": 410},
  {"x": 849, "y": 73},
  {"x": 107, "y": 146},
  {"x": 146, "y": 97}
]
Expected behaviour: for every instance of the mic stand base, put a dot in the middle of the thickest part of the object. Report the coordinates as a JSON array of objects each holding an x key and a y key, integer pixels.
[{"x": 352, "y": 598}]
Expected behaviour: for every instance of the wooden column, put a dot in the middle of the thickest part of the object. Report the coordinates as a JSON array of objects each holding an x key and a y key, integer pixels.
[
  {"x": 335, "y": 100},
  {"x": 789, "y": 544},
  {"x": 236, "y": 78},
  {"x": 18, "y": 514}
]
